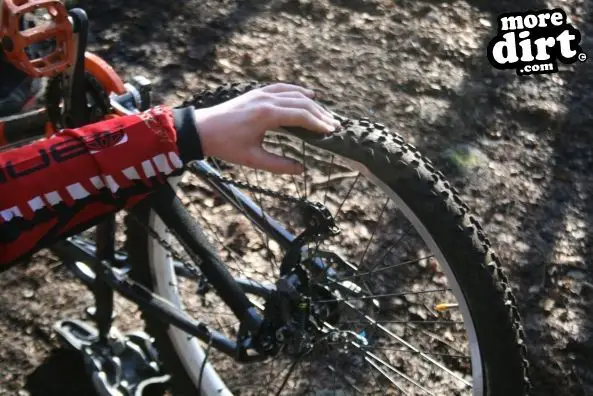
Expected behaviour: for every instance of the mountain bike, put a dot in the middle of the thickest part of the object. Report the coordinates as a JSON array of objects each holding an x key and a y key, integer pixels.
[{"x": 365, "y": 275}]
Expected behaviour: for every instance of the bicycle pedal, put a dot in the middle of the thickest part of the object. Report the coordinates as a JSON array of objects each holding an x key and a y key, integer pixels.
[
  {"x": 124, "y": 365},
  {"x": 76, "y": 334}
]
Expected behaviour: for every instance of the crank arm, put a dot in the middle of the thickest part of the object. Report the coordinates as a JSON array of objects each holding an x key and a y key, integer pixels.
[{"x": 74, "y": 93}]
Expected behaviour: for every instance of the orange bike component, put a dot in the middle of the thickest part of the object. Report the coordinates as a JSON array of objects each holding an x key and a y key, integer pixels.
[
  {"x": 105, "y": 75},
  {"x": 15, "y": 40},
  {"x": 107, "y": 78}
]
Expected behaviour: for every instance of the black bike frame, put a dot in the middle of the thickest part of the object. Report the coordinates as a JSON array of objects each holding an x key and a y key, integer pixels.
[
  {"x": 231, "y": 290},
  {"x": 103, "y": 269},
  {"x": 102, "y": 277}
]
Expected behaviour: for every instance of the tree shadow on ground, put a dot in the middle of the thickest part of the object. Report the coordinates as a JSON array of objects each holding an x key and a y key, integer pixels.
[
  {"x": 129, "y": 32},
  {"x": 62, "y": 373},
  {"x": 568, "y": 193},
  {"x": 568, "y": 197}
]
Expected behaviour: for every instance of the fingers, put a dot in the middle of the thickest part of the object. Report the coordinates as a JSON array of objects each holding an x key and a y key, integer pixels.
[
  {"x": 282, "y": 87},
  {"x": 299, "y": 117},
  {"x": 267, "y": 161},
  {"x": 298, "y": 95},
  {"x": 309, "y": 105},
  {"x": 289, "y": 94},
  {"x": 294, "y": 96}
]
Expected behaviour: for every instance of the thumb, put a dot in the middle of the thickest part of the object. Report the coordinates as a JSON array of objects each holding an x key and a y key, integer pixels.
[{"x": 265, "y": 160}]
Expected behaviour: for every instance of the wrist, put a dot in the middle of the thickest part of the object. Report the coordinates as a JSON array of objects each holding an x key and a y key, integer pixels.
[{"x": 188, "y": 135}]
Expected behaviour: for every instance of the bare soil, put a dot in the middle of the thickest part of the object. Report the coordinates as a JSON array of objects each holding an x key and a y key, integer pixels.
[{"x": 518, "y": 148}]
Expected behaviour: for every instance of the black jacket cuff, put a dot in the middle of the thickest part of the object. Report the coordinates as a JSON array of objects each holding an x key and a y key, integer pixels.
[{"x": 188, "y": 138}]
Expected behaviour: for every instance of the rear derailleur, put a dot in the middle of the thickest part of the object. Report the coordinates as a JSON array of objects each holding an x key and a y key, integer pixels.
[{"x": 291, "y": 319}]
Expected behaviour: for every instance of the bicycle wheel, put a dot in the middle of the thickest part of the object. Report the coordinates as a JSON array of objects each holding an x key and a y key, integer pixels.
[{"x": 411, "y": 299}]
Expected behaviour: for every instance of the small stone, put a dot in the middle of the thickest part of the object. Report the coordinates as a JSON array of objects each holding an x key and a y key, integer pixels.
[
  {"x": 418, "y": 311},
  {"x": 28, "y": 293},
  {"x": 439, "y": 279},
  {"x": 448, "y": 336},
  {"x": 579, "y": 234},
  {"x": 225, "y": 63},
  {"x": 504, "y": 237},
  {"x": 548, "y": 304},
  {"x": 411, "y": 298},
  {"x": 485, "y": 22},
  {"x": 397, "y": 302},
  {"x": 521, "y": 247},
  {"x": 531, "y": 141}
]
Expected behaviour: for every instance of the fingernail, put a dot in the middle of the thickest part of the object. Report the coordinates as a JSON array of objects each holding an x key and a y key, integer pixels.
[{"x": 311, "y": 93}]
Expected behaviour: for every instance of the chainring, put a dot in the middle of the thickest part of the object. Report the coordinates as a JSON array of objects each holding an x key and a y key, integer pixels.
[{"x": 99, "y": 107}]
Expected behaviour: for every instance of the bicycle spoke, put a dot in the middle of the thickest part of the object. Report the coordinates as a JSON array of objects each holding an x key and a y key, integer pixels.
[
  {"x": 373, "y": 364},
  {"x": 265, "y": 241},
  {"x": 361, "y": 274},
  {"x": 407, "y": 350},
  {"x": 296, "y": 187},
  {"x": 234, "y": 254},
  {"x": 380, "y": 370},
  {"x": 407, "y": 344},
  {"x": 380, "y": 261},
  {"x": 267, "y": 238},
  {"x": 376, "y": 296},
  {"x": 382, "y": 351},
  {"x": 421, "y": 322},
  {"x": 366, "y": 249},
  {"x": 344, "y": 378},
  {"x": 258, "y": 197},
  {"x": 271, "y": 379},
  {"x": 305, "y": 170},
  {"x": 370, "y": 355},
  {"x": 439, "y": 339},
  {"x": 329, "y": 174},
  {"x": 381, "y": 386},
  {"x": 347, "y": 195},
  {"x": 290, "y": 370}
]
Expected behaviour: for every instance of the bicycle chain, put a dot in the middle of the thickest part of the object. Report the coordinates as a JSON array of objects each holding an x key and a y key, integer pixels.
[
  {"x": 167, "y": 246},
  {"x": 227, "y": 180},
  {"x": 53, "y": 98},
  {"x": 250, "y": 187}
]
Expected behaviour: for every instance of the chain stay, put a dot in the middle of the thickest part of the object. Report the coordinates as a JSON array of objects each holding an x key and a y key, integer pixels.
[
  {"x": 250, "y": 187},
  {"x": 167, "y": 246},
  {"x": 301, "y": 202}
]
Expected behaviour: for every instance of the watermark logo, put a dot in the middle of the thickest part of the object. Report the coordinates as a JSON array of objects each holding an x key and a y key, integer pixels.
[{"x": 534, "y": 42}]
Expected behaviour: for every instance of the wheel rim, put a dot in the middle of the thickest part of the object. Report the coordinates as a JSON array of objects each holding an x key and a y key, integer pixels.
[{"x": 166, "y": 286}]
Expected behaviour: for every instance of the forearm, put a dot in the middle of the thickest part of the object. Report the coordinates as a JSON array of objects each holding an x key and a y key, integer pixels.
[{"x": 52, "y": 186}]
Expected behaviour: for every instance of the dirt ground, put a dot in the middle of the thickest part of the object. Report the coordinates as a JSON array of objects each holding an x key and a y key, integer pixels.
[{"x": 518, "y": 148}]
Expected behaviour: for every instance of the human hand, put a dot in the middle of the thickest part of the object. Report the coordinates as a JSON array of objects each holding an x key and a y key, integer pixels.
[{"x": 234, "y": 131}]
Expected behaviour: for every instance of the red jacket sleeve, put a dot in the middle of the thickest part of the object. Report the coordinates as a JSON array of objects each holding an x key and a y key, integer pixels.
[{"x": 54, "y": 185}]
